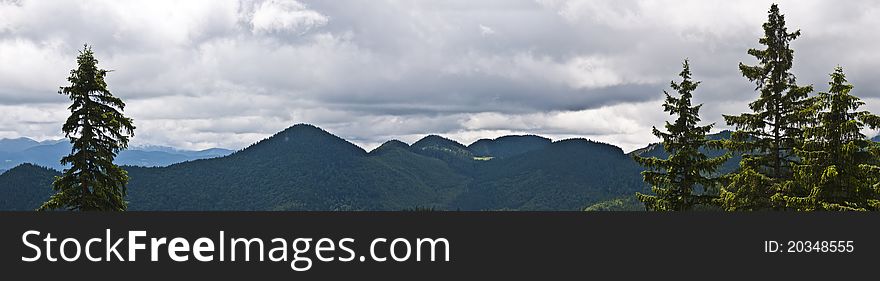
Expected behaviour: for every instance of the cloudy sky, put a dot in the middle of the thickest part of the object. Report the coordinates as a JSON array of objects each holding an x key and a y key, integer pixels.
[{"x": 199, "y": 74}]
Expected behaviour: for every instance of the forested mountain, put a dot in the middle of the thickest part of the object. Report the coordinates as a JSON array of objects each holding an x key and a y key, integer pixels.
[
  {"x": 25, "y": 187},
  {"x": 47, "y": 153},
  {"x": 307, "y": 168},
  {"x": 565, "y": 175},
  {"x": 508, "y": 146},
  {"x": 456, "y": 155}
]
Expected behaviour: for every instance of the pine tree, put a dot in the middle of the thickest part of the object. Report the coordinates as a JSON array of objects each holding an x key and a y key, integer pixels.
[
  {"x": 838, "y": 170},
  {"x": 98, "y": 131},
  {"x": 674, "y": 179},
  {"x": 768, "y": 136}
]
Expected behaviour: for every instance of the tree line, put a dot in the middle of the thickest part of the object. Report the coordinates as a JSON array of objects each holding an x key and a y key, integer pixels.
[{"x": 799, "y": 151}]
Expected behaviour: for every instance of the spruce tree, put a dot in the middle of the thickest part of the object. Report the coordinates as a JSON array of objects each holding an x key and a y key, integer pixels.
[
  {"x": 769, "y": 134},
  {"x": 98, "y": 131},
  {"x": 838, "y": 170},
  {"x": 675, "y": 179}
]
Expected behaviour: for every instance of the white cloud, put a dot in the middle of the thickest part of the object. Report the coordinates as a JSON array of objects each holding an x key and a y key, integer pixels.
[
  {"x": 287, "y": 16},
  {"x": 486, "y": 31},
  {"x": 28, "y": 69}
]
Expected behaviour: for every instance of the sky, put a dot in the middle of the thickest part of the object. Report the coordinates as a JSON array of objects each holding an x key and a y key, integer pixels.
[{"x": 227, "y": 73}]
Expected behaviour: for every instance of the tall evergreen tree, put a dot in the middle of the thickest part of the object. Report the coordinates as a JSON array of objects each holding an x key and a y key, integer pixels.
[
  {"x": 98, "y": 131},
  {"x": 674, "y": 179},
  {"x": 767, "y": 136},
  {"x": 838, "y": 170}
]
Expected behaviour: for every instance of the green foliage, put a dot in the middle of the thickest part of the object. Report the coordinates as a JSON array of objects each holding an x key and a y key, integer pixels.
[
  {"x": 769, "y": 135},
  {"x": 674, "y": 179},
  {"x": 713, "y": 150},
  {"x": 838, "y": 170},
  {"x": 626, "y": 203},
  {"x": 98, "y": 131}
]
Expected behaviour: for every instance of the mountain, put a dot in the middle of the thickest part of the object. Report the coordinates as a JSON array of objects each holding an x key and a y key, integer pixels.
[
  {"x": 300, "y": 168},
  {"x": 390, "y": 146},
  {"x": 565, "y": 175},
  {"x": 25, "y": 187},
  {"x": 440, "y": 146},
  {"x": 456, "y": 155},
  {"x": 18, "y": 144},
  {"x": 195, "y": 154},
  {"x": 307, "y": 168},
  {"x": 48, "y": 153},
  {"x": 508, "y": 146}
]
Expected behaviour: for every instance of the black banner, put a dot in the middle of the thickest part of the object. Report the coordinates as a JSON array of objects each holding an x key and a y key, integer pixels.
[{"x": 464, "y": 245}]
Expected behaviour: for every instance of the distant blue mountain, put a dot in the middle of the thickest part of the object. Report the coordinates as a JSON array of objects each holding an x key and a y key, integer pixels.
[
  {"x": 48, "y": 153},
  {"x": 19, "y": 144}
]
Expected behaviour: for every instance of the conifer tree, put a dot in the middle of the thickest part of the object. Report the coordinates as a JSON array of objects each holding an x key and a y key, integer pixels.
[
  {"x": 674, "y": 179},
  {"x": 98, "y": 131},
  {"x": 838, "y": 170},
  {"x": 769, "y": 134}
]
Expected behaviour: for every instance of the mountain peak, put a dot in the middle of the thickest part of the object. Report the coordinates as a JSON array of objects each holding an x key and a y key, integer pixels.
[
  {"x": 304, "y": 131},
  {"x": 435, "y": 140},
  {"x": 390, "y": 145},
  {"x": 303, "y": 127},
  {"x": 302, "y": 138}
]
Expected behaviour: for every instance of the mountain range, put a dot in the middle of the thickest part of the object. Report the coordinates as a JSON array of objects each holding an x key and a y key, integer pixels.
[
  {"x": 307, "y": 168},
  {"x": 14, "y": 152}
]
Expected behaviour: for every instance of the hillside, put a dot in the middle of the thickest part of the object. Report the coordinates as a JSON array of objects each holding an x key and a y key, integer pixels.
[
  {"x": 26, "y": 187},
  {"x": 307, "y": 168},
  {"x": 456, "y": 155},
  {"x": 508, "y": 146},
  {"x": 565, "y": 175}
]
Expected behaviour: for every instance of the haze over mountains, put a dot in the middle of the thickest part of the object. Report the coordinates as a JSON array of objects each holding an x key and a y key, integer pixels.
[{"x": 14, "y": 152}]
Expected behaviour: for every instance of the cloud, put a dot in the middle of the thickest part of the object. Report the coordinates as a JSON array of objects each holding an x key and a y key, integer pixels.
[
  {"x": 485, "y": 30},
  {"x": 31, "y": 72},
  {"x": 226, "y": 73},
  {"x": 287, "y": 16}
]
